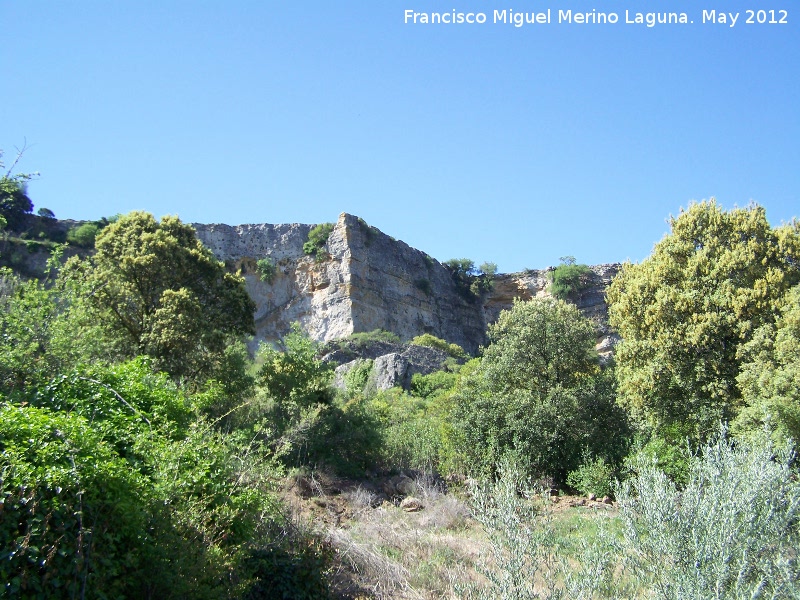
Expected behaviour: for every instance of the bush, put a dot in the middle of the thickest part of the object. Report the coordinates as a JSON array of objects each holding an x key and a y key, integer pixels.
[
  {"x": 317, "y": 238},
  {"x": 731, "y": 533},
  {"x": 568, "y": 280},
  {"x": 73, "y": 511},
  {"x": 266, "y": 269},
  {"x": 83, "y": 235},
  {"x": 411, "y": 436},
  {"x": 431, "y": 341},
  {"x": 432, "y": 385},
  {"x": 594, "y": 476},
  {"x": 423, "y": 285},
  {"x": 364, "y": 338},
  {"x": 538, "y": 393}
]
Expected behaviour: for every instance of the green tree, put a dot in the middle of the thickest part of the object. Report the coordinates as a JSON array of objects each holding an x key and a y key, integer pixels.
[
  {"x": 686, "y": 312},
  {"x": 317, "y": 238},
  {"x": 569, "y": 279},
  {"x": 14, "y": 200},
  {"x": 460, "y": 267},
  {"x": 83, "y": 235},
  {"x": 539, "y": 394},
  {"x": 295, "y": 377},
  {"x": 770, "y": 375},
  {"x": 158, "y": 291},
  {"x": 266, "y": 269}
]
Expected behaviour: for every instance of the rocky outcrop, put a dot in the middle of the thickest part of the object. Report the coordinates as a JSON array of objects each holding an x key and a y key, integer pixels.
[
  {"x": 367, "y": 280},
  {"x": 390, "y": 364}
]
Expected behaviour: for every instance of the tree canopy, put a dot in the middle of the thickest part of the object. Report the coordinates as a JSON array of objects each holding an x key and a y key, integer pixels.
[
  {"x": 538, "y": 394},
  {"x": 686, "y": 312},
  {"x": 14, "y": 200},
  {"x": 163, "y": 294}
]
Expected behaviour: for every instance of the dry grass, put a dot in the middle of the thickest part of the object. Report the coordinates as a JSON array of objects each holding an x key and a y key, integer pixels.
[{"x": 386, "y": 553}]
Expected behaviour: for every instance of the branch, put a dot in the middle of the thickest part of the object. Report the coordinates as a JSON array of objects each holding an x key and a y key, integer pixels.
[{"x": 119, "y": 397}]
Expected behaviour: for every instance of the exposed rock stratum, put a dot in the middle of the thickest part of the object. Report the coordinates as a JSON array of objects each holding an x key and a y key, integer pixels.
[{"x": 367, "y": 280}]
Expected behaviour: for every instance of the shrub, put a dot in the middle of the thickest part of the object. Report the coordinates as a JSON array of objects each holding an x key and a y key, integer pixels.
[
  {"x": 266, "y": 269},
  {"x": 411, "y": 437},
  {"x": 432, "y": 385},
  {"x": 431, "y": 341},
  {"x": 364, "y": 338},
  {"x": 731, "y": 533},
  {"x": 73, "y": 511},
  {"x": 356, "y": 379},
  {"x": 538, "y": 392},
  {"x": 520, "y": 537},
  {"x": 568, "y": 279},
  {"x": 594, "y": 476},
  {"x": 46, "y": 213},
  {"x": 317, "y": 238},
  {"x": 83, "y": 235},
  {"x": 424, "y": 285}
]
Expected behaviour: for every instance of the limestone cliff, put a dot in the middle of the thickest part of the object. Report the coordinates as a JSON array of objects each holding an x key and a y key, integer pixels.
[{"x": 368, "y": 281}]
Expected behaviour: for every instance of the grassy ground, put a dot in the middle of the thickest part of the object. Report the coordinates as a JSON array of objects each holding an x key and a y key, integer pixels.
[{"x": 439, "y": 552}]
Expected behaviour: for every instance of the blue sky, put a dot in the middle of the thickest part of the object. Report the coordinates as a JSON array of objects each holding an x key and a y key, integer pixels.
[{"x": 496, "y": 143}]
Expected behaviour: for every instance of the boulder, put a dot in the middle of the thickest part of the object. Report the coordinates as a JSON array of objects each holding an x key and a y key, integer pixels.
[{"x": 411, "y": 504}]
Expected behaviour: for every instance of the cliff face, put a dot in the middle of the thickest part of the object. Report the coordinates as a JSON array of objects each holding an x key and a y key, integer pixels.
[{"x": 370, "y": 281}]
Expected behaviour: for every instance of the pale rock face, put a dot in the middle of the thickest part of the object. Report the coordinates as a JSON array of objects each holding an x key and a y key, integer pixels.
[{"x": 372, "y": 281}]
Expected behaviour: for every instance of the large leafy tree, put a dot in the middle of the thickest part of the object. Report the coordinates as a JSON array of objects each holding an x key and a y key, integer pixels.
[
  {"x": 539, "y": 394},
  {"x": 685, "y": 313},
  {"x": 159, "y": 292},
  {"x": 770, "y": 375}
]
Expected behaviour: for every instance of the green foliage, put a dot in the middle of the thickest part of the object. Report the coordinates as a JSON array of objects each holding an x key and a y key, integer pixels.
[
  {"x": 431, "y": 341},
  {"x": 362, "y": 339},
  {"x": 460, "y": 267},
  {"x": 434, "y": 384},
  {"x": 410, "y": 430},
  {"x": 38, "y": 324},
  {"x": 158, "y": 291},
  {"x": 71, "y": 507},
  {"x": 266, "y": 269},
  {"x": 539, "y": 394},
  {"x": 356, "y": 379},
  {"x": 732, "y": 532},
  {"x": 471, "y": 282},
  {"x": 424, "y": 285},
  {"x": 83, "y": 235},
  {"x": 770, "y": 376},
  {"x": 488, "y": 268},
  {"x": 346, "y": 437},
  {"x": 686, "y": 313},
  {"x": 669, "y": 451},
  {"x": 295, "y": 378},
  {"x": 317, "y": 238},
  {"x": 119, "y": 491},
  {"x": 594, "y": 476},
  {"x": 568, "y": 280},
  {"x": 296, "y": 568},
  {"x": 46, "y": 213}
]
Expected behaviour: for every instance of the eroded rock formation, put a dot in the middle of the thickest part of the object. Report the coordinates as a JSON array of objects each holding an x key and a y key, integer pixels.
[{"x": 367, "y": 280}]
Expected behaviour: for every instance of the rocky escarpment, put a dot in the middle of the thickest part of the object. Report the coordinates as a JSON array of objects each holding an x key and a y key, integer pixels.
[{"x": 367, "y": 280}]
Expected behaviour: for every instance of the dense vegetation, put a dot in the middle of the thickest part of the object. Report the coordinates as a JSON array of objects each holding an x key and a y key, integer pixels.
[{"x": 141, "y": 447}]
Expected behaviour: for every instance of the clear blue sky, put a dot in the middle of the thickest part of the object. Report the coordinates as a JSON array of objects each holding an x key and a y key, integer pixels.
[{"x": 514, "y": 145}]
